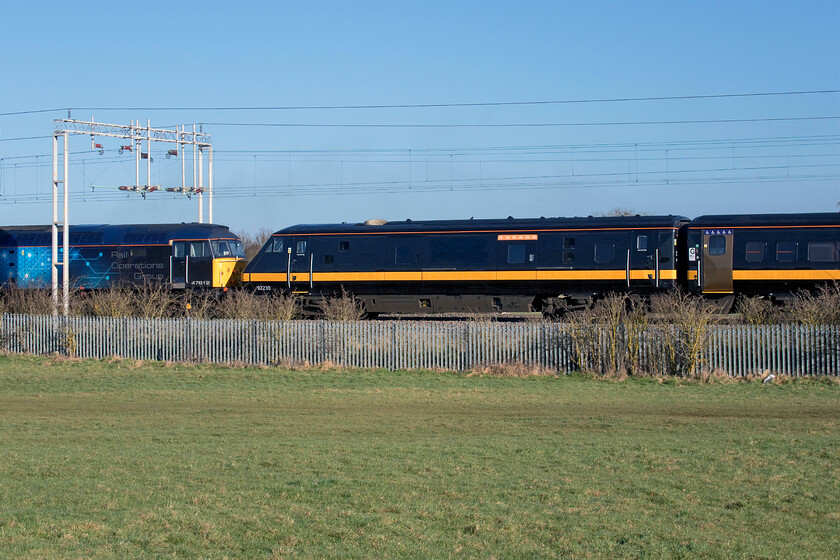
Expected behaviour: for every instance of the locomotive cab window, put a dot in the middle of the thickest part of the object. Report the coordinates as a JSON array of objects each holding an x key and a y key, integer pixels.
[
  {"x": 717, "y": 245},
  {"x": 276, "y": 246},
  {"x": 221, "y": 249},
  {"x": 786, "y": 251},
  {"x": 755, "y": 251},
  {"x": 301, "y": 247},
  {"x": 516, "y": 254},
  {"x": 179, "y": 249},
  {"x": 641, "y": 243},
  {"x": 568, "y": 256},
  {"x": 200, "y": 249}
]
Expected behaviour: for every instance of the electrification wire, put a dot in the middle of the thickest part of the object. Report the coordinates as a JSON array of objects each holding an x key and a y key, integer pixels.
[
  {"x": 444, "y": 105},
  {"x": 517, "y": 125}
]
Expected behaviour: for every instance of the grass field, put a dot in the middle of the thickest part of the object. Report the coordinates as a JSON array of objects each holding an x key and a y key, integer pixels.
[{"x": 125, "y": 460}]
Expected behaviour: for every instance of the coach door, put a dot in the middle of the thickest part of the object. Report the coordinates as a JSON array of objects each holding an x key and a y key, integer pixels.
[
  {"x": 640, "y": 260},
  {"x": 716, "y": 261},
  {"x": 300, "y": 261}
]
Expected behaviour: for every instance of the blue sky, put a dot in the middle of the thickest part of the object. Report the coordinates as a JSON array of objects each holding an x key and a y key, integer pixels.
[{"x": 351, "y": 164}]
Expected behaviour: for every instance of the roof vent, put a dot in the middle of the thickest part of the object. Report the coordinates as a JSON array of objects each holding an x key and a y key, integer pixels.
[{"x": 376, "y": 222}]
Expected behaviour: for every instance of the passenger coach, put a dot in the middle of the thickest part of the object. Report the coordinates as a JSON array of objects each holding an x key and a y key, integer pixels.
[
  {"x": 770, "y": 255},
  {"x": 471, "y": 265},
  {"x": 101, "y": 256}
]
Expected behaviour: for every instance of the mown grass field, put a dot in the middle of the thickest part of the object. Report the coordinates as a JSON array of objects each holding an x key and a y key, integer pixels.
[{"x": 125, "y": 460}]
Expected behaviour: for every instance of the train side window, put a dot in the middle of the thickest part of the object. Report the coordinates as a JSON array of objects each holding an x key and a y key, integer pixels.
[
  {"x": 516, "y": 254},
  {"x": 824, "y": 252},
  {"x": 568, "y": 242},
  {"x": 755, "y": 251},
  {"x": 328, "y": 259},
  {"x": 717, "y": 245},
  {"x": 301, "y": 247},
  {"x": 641, "y": 242},
  {"x": 179, "y": 249},
  {"x": 140, "y": 252},
  {"x": 786, "y": 251},
  {"x": 603, "y": 252},
  {"x": 344, "y": 246},
  {"x": 277, "y": 245},
  {"x": 199, "y": 249},
  {"x": 568, "y": 256}
]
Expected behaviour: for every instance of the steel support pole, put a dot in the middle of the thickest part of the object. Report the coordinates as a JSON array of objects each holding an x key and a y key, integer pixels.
[
  {"x": 200, "y": 185},
  {"x": 65, "y": 227},
  {"x": 54, "y": 257},
  {"x": 210, "y": 185}
]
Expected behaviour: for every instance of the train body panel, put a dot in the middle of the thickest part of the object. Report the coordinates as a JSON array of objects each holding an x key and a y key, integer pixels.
[
  {"x": 103, "y": 256},
  {"x": 471, "y": 265}
]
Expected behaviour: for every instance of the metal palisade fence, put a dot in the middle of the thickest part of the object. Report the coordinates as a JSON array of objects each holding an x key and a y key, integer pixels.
[{"x": 457, "y": 346}]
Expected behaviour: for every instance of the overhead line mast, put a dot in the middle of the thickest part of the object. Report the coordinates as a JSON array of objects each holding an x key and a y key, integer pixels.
[{"x": 136, "y": 134}]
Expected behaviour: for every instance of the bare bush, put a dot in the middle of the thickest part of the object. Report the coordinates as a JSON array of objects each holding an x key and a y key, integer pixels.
[
  {"x": 247, "y": 305},
  {"x": 117, "y": 301},
  {"x": 26, "y": 301},
  {"x": 343, "y": 307},
  {"x": 759, "y": 311},
  {"x": 252, "y": 243},
  {"x": 692, "y": 318},
  {"x": 817, "y": 308},
  {"x": 154, "y": 300}
]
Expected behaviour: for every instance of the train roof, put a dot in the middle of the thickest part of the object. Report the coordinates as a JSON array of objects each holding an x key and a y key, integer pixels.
[
  {"x": 116, "y": 234},
  {"x": 471, "y": 225},
  {"x": 754, "y": 220}
]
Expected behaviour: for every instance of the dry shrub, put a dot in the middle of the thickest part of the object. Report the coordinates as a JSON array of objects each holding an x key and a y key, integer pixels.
[
  {"x": 692, "y": 318},
  {"x": 342, "y": 307},
  {"x": 154, "y": 300},
  {"x": 248, "y": 305},
  {"x": 513, "y": 369},
  {"x": 252, "y": 243},
  {"x": 606, "y": 337},
  {"x": 25, "y": 301},
  {"x": 817, "y": 308},
  {"x": 198, "y": 304},
  {"x": 759, "y": 311}
]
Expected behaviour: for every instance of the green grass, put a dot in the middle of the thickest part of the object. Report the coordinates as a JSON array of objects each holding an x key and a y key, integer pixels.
[{"x": 120, "y": 460}]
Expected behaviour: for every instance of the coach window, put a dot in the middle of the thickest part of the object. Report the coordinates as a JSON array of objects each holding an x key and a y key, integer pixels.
[
  {"x": 786, "y": 251},
  {"x": 603, "y": 252},
  {"x": 641, "y": 243},
  {"x": 824, "y": 252},
  {"x": 755, "y": 251},
  {"x": 717, "y": 245},
  {"x": 516, "y": 254},
  {"x": 301, "y": 247}
]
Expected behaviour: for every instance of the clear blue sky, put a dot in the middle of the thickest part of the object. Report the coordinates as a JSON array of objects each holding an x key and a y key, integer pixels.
[{"x": 100, "y": 57}]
